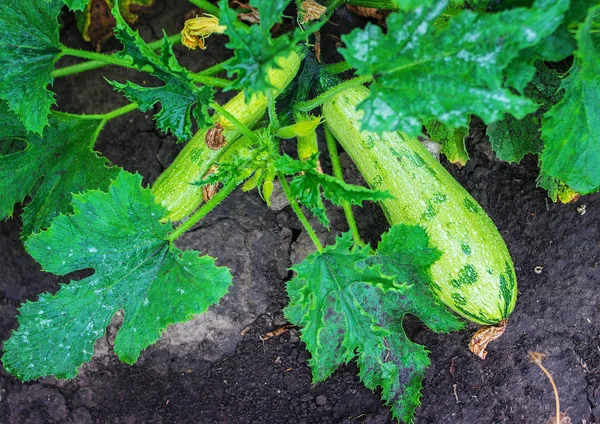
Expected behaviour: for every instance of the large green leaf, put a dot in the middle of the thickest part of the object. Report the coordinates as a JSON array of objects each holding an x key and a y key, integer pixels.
[
  {"x": 50, "y": 168},
  {"x": 308, "y": 182},
  {"x": 513, "y": 138},
  {"x": 255, "y": 50},
  {"x": 571, "y": 129},
  {"x": 422, "y": 73},
  {"x": 119, "y": 234},
  {"x": 348, "y": 308},
  {"x": 179, "y": 97},
  {"x": 29, "y": 48}
]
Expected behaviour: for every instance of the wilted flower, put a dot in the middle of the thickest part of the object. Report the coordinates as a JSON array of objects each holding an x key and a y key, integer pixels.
[{"x": 197, "y": 29}]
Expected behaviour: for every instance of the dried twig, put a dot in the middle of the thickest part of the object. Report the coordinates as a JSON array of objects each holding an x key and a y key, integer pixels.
[{"x": 536, "y": 358}]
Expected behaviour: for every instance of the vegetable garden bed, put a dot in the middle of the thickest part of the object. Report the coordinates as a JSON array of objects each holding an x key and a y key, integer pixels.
[{"x": 243, "y": 363}]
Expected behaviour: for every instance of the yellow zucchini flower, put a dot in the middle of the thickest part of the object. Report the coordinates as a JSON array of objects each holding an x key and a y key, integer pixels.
[{"x": 197, "y": 29}]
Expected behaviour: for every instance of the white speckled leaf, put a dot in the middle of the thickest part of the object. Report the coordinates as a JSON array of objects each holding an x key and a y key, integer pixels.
[
  {"x": 422, "y": 73},
  {"x": 120, "y": 236}
]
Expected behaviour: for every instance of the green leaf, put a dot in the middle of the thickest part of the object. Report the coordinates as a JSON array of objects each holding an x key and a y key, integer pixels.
[
  {"x": 50, "y": 168},
  {"x": 422, "y": 73},
  {"x": 557, "y": 190},
  {"x": 255, "y": 50},
  {"x": 180, "y": 98},
  {"x": 404, "y": 251},
  {"x": 452, "y": 141},
  {"x": 579, "y": 10},
  {"x": 119, "y": 234},
  {"x": 306, "y": 187},
  {"x": 347, "y": 311},
  {"x": 76, "y": 4},
  {"x": 334, "y": 323},
  {"x": 29, "y": 48},
  {"x": 513, "y": 138},
  {"x": 571, "y": 129}
]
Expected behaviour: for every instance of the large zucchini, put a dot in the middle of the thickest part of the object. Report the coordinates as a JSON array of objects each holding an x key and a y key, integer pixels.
[
  {"x": 475, "y": 275},
  {"x": 174, "y": 188}
]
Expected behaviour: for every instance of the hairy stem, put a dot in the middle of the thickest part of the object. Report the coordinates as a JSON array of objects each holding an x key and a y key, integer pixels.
[
  {"x": 105, "y": 117},
  {"x": 101, "y": 62},
  {"x": 338, "y": 68},
  {"x": 119, "y": 112},
  {"x": 339, "y": 174},
  {"x": 206, "y": 6},
  {"x": 204, "y": 210},
  {"x": 210, "y": 81},
  {"x": 236, "y": 123},
  {"x": 294, "y": 204},
  {"x": 319, "y": 100},
  {"x": 214, "y": 10},
  {"x": 108, "y": 59},
  {"x": 215, "y": 69},
  {"x": 272, "y": 111}
]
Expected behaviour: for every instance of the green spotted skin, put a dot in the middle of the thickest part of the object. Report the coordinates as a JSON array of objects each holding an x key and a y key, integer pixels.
[{"x": 474, "y": 276}]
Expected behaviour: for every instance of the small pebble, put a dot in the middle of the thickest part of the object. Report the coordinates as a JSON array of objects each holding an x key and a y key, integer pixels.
[{"x": 321, "y": 400}]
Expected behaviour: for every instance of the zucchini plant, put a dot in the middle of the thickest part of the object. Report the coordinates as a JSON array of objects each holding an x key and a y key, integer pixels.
[{"x": 531, "y": 72}]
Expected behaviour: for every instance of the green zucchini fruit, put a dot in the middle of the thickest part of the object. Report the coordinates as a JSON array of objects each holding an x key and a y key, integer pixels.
[
  {"x": 474, "y": 276},
  {"x": 174, "y": 188}
]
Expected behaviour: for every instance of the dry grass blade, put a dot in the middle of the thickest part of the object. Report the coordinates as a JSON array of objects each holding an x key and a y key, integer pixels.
[{"x": 537, "y": 358}]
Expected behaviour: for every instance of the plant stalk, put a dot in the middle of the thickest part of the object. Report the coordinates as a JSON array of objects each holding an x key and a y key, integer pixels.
[
  {"x": 339, "y": 174},
  {"x": 319, "y": 100},
  {"x": 204, "y": 210},
  {"x": 206, "y": 6},
  {"x": 210, "y": 81},
  {"x": 215, "y": 69},
  {"x": 294, "y": 204},
  {"x": 338, "y": 68},
  {"x": 215, "y": 11},
  {"x": 100, "y": 62},
  {"x": 273, "y": 119},
  {"x": 105, "y": 117},
  {"x": 85, "y": 54},
  {"x": 236, "y": 123}
]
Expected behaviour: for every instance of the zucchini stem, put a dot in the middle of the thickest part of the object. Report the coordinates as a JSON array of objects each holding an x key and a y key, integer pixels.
[
  {"x": 215, "y": 69},
  {"x": 100, "y": 60},
  {"x": 236, "y": 123},
  {"x": 338, "y": 68},
  {"x": 214, "y": 10},
  {"x": 294, "y": 204},
  {"x": 210, "y": 80},
  {"x": 319, "y": 100},
  {"x": 85, "y": 54},
  {"x": 204, "y": 210},
  {"x": 206, "y": 6},
  {"x": 105, "y": 117},
  {"x": 273, "y": 120},
  {"x": 339, "y": 174},
  {"x": 119, "y": 112}
]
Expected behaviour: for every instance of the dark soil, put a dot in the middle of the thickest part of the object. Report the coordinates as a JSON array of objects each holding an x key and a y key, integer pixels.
[{"x": 246, "y": 377}]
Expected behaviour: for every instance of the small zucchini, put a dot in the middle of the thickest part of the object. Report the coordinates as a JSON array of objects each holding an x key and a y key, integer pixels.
[
  {"x": 474, "y": 276},
  {"x": 174, "y": 188}
]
